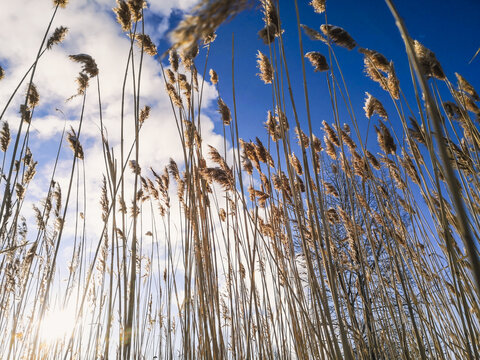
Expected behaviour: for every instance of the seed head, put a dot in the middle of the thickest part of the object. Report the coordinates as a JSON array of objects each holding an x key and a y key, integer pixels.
[
  {"x": 224, "y": 111},
  {"x": 75, "y": 143},
  {"x": 296, "y": 164},
  {"x": 266, "y": 69},
  {"x": 339, "y": 36},
  {"x": 4, "y": 136},
  {"x": 213, "y": 77},
  {"x": 124, "y": 17},
  {"x": 313, "y": 34},
  {"x": 428, "y": 61},
  {"x": 89, "y": 66},
  {"x": 32, "y": 96},
  {"x": 385, "y": 139},
  {"x": 136, "y": 7},
  {"x": 60, "y": 3},
  {"x": 318, "y": 6},
  {"x": 145, "y": 42},
  {"x": 144, "y": 114},
  {"x": 466, "y": 87},
  {"x": 376, "y": 59},
  {"x": 318, "y": 61},
  {"x": 393, "y": 82},
  {"x": 372, "y": 106},
  {"x": 57, "y": 37}
]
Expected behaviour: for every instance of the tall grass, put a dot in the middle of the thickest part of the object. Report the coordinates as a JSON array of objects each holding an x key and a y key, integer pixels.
[{"x": 302, "y": 243}]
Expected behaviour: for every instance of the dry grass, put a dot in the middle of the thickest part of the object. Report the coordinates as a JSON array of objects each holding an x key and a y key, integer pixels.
[{"x": 293, "y": 248}]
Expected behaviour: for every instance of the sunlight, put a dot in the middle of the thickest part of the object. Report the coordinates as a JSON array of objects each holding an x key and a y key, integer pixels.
[{"x": 57, "y": 324}]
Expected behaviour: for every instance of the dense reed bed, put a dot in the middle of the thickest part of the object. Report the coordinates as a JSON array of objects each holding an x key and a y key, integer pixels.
[{"x": 301, "y": 243}]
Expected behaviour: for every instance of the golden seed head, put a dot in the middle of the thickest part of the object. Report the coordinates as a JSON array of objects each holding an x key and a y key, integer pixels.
[
  {"x": 124, "y": 17},
  {"x": 33, "y": 98},
  {"x": 224, "y": 111},
  {"x": 313, "y": 34},
  {"x": 136, "y": 7},
  {"x": 296, "y": 164},
  {"x": 213, "y": 77},
  {"x": 4, "y": 136},
  {"x": 374, "y": 106},
  {"x": 145, "y": 42},
  {"x": 318, "y": 6},
  {"x": 60, "y": 3},
  {"x": 318, "y": 61},
  {"x": 266, "y": 68},
  {"x": 393, "y": 84},
  {"x": 376, "y": 59},
  {"x": 57, "y": 37},
  {"x": 75, "y": 143},
  {"x": 466, "y": 87},
  {"x": 170, "y": 76},
  {"x": 89, "y": 66},
  {"x": 428, "y": 61},
  {"x": 339, "y": 36},
  {"x": 144, "y": 114},
  {"x": 385, "y": 139}
]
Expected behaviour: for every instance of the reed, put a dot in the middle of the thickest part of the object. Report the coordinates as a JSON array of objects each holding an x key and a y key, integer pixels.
[{"x": 306, "y": 242}]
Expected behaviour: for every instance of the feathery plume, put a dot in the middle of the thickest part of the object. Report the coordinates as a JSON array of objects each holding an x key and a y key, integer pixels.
[
  {"x": 136, "y": 7},
  {"x": 75, "y": 143},
  {"x": 313, "y": 34},
  {"x": 296, "y": 164},
  {"x": 373, "y": 160},
  {"x": 302, "y": 138},
  {"x": 428, "y": 61},
  {"x": 124, "y": 17},
  {"x": 266, "y": 68},
  {"x": 467, "y": 102},
  {"x": 4, "y": 136},
  {"x": 271, "y": 126},
  {"x": 224, "y": 111},
  {"x": 176, "y": 99},
  {"x": 89, "y": 66},
  {"x": 376, "y": 59},
  {"x": 32, "y": 96},
  {"x": 330, "y": 189},
  {"x": 173, "y": 59},
  {"x": 318, "y": 6},
  {"x": 170, "y": 76},
  {"x": 374, "y": 106},
  {"x": 267, "y": 34},
  {"x": 332, "y": 136},
  {"x": 385, "y": 139},
  {"x": 135, "y": 167},
  {"x": 466, "y": 87},
  {"x": 270, "y": 16},
  {"x": 318, "y": 61},
  {"x": 144, "y": 114},
  {"x": 145, "y": 42},
  {"x": 57, "y": 37},
  {"x": 209, "y": 38},
  {"x": 213, "y": 77},
  {"x": 393, "y": 84},
  {"x": 205, "y": 18},
  {"x": 60, "y": 3},
  {"x": 316, "y": 144},
  {"x": 339, "y": 36}
]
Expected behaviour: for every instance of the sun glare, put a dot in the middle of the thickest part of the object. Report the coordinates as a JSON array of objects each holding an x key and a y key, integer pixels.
[{"x": 57, "y": 324}]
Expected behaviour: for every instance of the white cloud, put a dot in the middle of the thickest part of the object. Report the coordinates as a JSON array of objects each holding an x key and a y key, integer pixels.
[{"x": 92, "y": 30}]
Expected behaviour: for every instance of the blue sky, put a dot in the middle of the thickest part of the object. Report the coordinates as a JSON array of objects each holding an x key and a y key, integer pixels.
[{"x": 445, "y": 27}]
